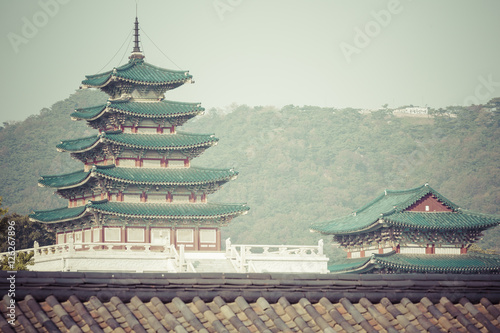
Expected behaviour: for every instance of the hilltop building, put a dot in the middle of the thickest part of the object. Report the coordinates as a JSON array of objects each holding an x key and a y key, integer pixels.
[
  {"x": 138, "y": 204},
  {"x": 411, "y": 231}
]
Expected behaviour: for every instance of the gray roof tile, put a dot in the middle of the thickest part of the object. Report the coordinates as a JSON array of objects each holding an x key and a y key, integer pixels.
[{"x": 105, "y": 302}]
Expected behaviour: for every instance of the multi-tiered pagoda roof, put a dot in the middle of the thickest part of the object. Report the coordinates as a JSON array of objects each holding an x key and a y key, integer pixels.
[
  {"x": 415, "y": 230},
  {"x": 137, "y": 183}
]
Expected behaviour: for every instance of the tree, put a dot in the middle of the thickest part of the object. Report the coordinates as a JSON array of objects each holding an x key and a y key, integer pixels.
[
  {"x": 26, "y": 232},
  {"x": 21, "y": 262},
  {"x": 2, "y": 210}
]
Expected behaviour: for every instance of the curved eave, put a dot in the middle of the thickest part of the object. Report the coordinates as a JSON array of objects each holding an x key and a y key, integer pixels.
[
  {"x": 357, "y": 267},
  {"x": 82, "y": 150},
  {"x": 462, "y": 223},
  {"x": 78, "y": 115},
  {"x": 79, "y": 212},
  {"x": 175, "y": 183},
  {"x": 77, "y": 184},
  {"x": 450, "y": 228},
  {"x": 158, "y": 83},
  {"x": 172, "y": 115},
  {"x": 180, "y": 147},
  {"x": 244, "y": 210},
  {"x": 371, "y": 227},
  {"x": 113, "y": 78}
]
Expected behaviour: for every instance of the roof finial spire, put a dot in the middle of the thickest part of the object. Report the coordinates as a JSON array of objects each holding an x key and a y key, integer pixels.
[{"x": 136, "y": 52}]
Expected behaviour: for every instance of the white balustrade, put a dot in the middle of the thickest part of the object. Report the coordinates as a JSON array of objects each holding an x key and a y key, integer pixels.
[{"x": 241, "y": 255}]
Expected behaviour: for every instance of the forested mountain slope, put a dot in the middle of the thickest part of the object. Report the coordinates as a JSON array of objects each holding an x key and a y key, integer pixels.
[{"x": 297, "y": 165}]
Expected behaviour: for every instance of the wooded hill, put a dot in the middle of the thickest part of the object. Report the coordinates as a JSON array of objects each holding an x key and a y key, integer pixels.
[{"x": 297, "y": 165}]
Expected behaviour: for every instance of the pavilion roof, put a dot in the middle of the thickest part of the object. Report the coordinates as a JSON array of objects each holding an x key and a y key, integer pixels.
[
  {"x": 150, "y": 176},
  {"x": 389, "y": 209},
  {"x": 198, "y": 211},
  {"x": 138, "y": 71},
  {"x": 176, "y": 141},
  {"x": 155, "y": 109}
]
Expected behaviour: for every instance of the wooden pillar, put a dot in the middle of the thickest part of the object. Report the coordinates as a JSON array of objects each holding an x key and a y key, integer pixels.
[
  {"x": 196, "y": 238},
  {"x": 124, "y": 235},
  {"x": 147, "y": 236},
  {"x": 218, "y": 246},
  {"x": 463, "y": 250},
  {"x": 362, "y": 253},
  {"x": 349, "y": 254}
]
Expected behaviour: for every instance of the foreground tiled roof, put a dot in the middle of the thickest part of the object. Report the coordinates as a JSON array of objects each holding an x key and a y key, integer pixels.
[
  {"x": 196, "y": 211},
  {"x": 152, "y": 176},
  {"x": 138, "y": 71},
  {"x": 215, "y": 302},
  {"x": 389, "y": 208},
  {"x": 162, "y": 109},
  {"x": 178, "y": 140}
]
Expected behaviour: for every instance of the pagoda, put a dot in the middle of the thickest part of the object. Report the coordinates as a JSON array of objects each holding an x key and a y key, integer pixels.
[
  {"x": 137, "y": 184},
  {"x": 411, "y": 231}
]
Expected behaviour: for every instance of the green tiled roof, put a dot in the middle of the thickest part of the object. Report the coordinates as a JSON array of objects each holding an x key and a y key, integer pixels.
[
  {"x": 81, "y": 144},
  {"x": 138, "y": 71},
  {"x": 172, "y": 210},
  {"x": 66, "y": 180},
  {"x": 142, "y": 210},
  {"x": 441, "y": 263},
  {"x": 349, "y": 265},
  {"x": 389, "y": 206},
  {"x": 166, "y": 176},
  {"x": 156, "y": 176},
  {"x": 88, "y": 113},
  {"x": 442, "y": 220},
  {"x": 179, "y": 140},
  {"x": 58, "y": 215},
  {"x": 162, "y": 109}
]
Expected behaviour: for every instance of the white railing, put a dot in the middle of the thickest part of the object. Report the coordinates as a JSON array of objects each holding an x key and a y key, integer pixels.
[
  {"x": 125, "y": 248},
  {"x": 241, "y": 255}
]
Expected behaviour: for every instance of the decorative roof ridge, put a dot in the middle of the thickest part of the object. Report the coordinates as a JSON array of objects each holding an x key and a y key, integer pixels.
[
  {"x": 419, "y": 195},
  {"x": 129, "y": 64},
  {"x": 388, "y": 193},
  {"x": 166, "y": 69}
]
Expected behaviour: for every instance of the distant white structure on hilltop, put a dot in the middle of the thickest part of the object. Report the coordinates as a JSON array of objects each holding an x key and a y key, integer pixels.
[{"x": 415, "y": 110}]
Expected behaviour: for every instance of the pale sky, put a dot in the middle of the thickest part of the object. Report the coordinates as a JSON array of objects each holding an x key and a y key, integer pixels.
[{"x": 335, "y": 53}]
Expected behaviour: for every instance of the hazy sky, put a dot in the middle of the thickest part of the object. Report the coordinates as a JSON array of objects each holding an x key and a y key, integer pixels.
[{"x": 259, "y": 52}]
